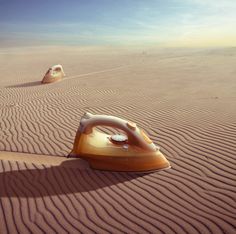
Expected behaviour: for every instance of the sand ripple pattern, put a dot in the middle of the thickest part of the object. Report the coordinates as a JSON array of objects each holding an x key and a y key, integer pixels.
[{"x": 168, "y": 96}]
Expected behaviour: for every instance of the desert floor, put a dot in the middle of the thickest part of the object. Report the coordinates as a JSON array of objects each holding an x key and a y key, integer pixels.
[{"x": 185, "y": 99}]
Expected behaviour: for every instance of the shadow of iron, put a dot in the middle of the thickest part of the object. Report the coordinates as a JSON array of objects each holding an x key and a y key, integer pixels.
[
  {"x": 67, "y": 178},
  {"x": 25, "y": 85}
]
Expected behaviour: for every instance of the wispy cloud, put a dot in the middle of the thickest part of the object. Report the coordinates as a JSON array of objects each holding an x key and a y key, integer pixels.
[{"x": 173, "y": 22}]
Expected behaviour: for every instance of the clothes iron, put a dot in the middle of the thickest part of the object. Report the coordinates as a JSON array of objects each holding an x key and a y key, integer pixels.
[
  {"x": 54, "y": 73},
  {"x": 133, "y": 151}
]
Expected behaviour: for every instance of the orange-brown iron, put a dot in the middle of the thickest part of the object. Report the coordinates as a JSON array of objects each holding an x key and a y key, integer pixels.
[{"x": 131, "y": 152}]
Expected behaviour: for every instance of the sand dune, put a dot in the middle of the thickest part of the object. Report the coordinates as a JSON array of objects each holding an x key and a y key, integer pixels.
[{"x": 184, "y": 99}]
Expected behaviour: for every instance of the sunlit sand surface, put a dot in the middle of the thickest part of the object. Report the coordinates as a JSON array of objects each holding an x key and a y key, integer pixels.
[{"x": 185, "y": 99}]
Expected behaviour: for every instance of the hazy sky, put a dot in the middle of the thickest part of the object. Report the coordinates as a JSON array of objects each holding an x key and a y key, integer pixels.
[{"x": 119, "y": 22}]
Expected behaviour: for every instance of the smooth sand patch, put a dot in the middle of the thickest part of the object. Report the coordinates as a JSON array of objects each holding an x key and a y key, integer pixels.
[{"x": 43, "y": 159}]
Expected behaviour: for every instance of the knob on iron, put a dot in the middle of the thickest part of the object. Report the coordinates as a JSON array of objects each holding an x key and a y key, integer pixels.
[{"x": 118, "y": 139}]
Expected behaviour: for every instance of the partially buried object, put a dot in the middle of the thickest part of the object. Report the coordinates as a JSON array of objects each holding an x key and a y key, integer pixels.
[
  {"x": 133, "y": 151},
  {"x": 54, "y": 73}
]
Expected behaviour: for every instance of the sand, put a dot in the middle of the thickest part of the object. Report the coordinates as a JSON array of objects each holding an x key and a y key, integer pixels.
[{"x": 185, "y": 99}]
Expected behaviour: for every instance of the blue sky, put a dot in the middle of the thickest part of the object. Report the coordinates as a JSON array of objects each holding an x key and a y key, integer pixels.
[{"x": 118, "y": 22}]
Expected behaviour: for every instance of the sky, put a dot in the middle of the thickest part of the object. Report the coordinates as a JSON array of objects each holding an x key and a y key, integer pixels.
[{"x": 194, "y": 23}]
